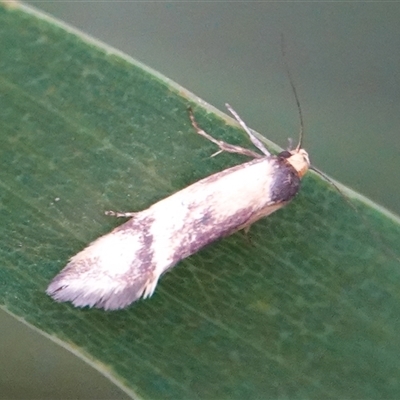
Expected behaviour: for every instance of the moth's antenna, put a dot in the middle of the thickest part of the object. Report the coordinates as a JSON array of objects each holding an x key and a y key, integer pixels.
[
  {"x": 283, "y": 50},
  {"x": 372, "y": 231}
]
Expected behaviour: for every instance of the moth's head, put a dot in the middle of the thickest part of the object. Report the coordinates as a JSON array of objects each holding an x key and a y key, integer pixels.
[{"x": 299, "y": 160}]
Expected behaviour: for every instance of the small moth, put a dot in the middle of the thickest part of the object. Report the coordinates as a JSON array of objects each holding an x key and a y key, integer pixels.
[{"x": 126, "y": 264}]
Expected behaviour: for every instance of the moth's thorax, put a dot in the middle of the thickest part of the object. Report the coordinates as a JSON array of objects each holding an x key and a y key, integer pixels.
[{"x": 300, "y": 161}]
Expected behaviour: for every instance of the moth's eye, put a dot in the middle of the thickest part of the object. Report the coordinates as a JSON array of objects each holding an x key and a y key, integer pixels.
[{"x": 285, "y": 154}]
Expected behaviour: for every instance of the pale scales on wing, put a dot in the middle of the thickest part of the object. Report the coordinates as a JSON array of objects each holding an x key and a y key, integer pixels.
[{"x": 125, "y": 264}]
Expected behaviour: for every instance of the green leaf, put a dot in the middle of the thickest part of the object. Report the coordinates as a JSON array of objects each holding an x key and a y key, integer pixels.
[{"x": 309, "y": 307}]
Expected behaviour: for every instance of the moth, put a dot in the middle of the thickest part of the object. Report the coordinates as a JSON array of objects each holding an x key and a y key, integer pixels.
[{"x": 126, "y": 264}]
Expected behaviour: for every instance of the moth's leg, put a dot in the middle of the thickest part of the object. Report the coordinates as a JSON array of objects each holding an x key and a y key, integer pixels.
[
  {"x": 120, "y": 214},
  {"x": 246, "y": 229},
  {"x": 247, "y": 235},
  {"x": 253, "y": 138},
  {"x": 230, "y": 148}
]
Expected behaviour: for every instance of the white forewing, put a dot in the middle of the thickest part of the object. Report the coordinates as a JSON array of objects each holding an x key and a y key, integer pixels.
[{"x": 125, "y": 264}]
